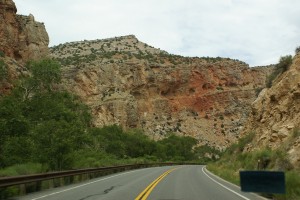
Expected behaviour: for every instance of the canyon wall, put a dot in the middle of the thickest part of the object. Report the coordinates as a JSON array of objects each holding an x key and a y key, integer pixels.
[
  {"x": 275, "y": 115},
  {"x": 21, "y": 37},
  {"x": 130, "y": 83}
]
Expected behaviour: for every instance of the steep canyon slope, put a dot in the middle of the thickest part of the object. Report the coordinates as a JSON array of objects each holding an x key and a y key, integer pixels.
[
  {"x": 132, "y": 84},
  {"x": 275, "y": 115},
  {"x": 21, "y": 37}
]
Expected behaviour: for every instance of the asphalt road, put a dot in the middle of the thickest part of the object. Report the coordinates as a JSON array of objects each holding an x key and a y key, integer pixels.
[{"x": 158, "y": 183}]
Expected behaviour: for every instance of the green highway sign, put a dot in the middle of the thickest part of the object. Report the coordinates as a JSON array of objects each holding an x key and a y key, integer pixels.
[{"x": 272, "y": 182}]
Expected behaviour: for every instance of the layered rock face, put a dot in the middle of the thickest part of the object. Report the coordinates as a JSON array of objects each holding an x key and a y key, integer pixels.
[
  {"x": 21, "y": 37},
  {"x": 275, "y": 116},
  {"x": 10, "y": 70},
  {"x": 132, "y": 84}
]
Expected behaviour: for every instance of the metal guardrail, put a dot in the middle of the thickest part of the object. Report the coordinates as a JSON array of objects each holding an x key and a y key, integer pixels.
[{"x": 19, "y": 180}]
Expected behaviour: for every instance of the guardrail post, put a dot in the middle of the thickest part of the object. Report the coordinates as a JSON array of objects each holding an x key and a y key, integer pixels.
[
  {"x": 22, "y": 189},
  {"x": 38, "y": 186},
  {"x": 56, "y": 182}
]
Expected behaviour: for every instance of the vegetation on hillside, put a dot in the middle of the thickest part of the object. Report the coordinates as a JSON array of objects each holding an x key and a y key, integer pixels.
[
  {"x": 297, "y": 50},
  {"x": 236, "y": 159},
  {"x": 44, "y": 128},
  {"x": 282, "y": 66},
  {"x": 3, "y": 71},
  {"x": 2, "y": 54},
  {"x": 118, "y": 50}
]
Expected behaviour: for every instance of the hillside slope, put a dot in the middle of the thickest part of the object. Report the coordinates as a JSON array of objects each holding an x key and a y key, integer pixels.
[
  {"x": 21, "y": 37},
  {"x": 132, "y": 84},
  {"x": 275, "y": 115}
]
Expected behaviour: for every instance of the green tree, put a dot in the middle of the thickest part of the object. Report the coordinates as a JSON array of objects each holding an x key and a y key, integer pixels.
[
  {"x": 16, "y": 150},
  {"x": 111, "y": 139},
  {"x": 54, "y": 142},
  {"x": 47, "y": 125},
  {"x": 179, "y": 148},
  {"x": 44, "y": 75},
  {"x": 139, "y": 145},
  {"x": 12, "y": 121},
  {"x": 13, "y": 124},
  {"x": 57, "y": 106}
]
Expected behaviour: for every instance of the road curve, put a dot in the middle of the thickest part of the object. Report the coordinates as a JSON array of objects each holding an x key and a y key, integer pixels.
[{"x": 158, "y": 183}]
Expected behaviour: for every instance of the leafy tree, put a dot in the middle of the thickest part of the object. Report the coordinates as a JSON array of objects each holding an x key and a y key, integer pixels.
[
  {"x": 46, "y": 126},
  {"x": 12, "y": 125},
  {"x": 12, "y": 121},
  {"x": 179, "y": 148},
  {"x": 45, "y": 74},
  {"x": 110, "y": 139},
  {"x": 201, "y": 152},
  {"x": 57, "y": 106},
  {"x": 139, "y": 145},
  {"x": 16, "y": 150},
  {"x": 54, "y": 141}
]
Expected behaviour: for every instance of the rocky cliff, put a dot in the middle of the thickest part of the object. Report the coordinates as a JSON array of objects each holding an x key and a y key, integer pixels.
[
  {"x": 130, "y": 83},
  {"x": 21, "y": 37},
  {"x": 275, "y": 116}
]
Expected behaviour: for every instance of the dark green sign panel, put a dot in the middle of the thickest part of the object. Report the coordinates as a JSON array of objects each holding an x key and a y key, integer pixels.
[{"x": 262, "y": 181}]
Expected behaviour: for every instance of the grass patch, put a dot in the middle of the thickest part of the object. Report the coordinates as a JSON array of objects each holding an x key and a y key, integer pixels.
[
  {"x": 23, "y": 169},
  {"x": 225, "y": 173},
  {"x": 235, "y": 160},
  {"x": 296, "y": 132},
  {"x": 292, "y": 180}
]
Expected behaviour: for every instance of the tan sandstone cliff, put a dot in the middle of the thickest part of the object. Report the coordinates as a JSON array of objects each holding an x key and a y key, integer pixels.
[
  {"x": 21, "y": 37},
  {"x": 275, "y": 116},
  {"x": 130, "y": 83}
]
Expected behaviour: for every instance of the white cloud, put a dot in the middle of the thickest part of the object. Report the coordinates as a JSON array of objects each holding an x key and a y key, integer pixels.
[{"x": 257, "y": 31}]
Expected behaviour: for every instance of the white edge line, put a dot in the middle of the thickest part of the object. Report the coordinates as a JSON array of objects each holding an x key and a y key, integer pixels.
[
  {"x": 217, "y": 177},
  {"x": 51, "y": 194},
  {"x": 224, "y": 186}
]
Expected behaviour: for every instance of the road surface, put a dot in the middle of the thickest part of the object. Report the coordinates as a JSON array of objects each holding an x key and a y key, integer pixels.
[{"x": 158, "y": 183}]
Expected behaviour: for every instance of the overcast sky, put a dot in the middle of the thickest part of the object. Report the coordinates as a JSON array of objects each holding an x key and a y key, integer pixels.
[{"x": 255, "y": 31}]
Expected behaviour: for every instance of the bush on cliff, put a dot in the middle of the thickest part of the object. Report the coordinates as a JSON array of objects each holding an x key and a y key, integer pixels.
[
  {"x": 235, "y": 159},
  {"x": 282, "y": 66},
  {"x": 3, "y": 71}
]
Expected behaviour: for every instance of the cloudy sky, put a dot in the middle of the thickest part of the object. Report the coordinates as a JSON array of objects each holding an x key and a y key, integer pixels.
[{"x": 255, "y": 31}]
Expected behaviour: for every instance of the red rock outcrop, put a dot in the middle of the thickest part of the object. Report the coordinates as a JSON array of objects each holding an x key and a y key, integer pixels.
[
  {"x": 21, "y": 37},
  {"x": 127, "y": 82}
]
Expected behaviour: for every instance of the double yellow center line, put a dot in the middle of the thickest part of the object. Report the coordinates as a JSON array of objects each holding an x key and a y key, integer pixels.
[{"x": 144, "y": 195}]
